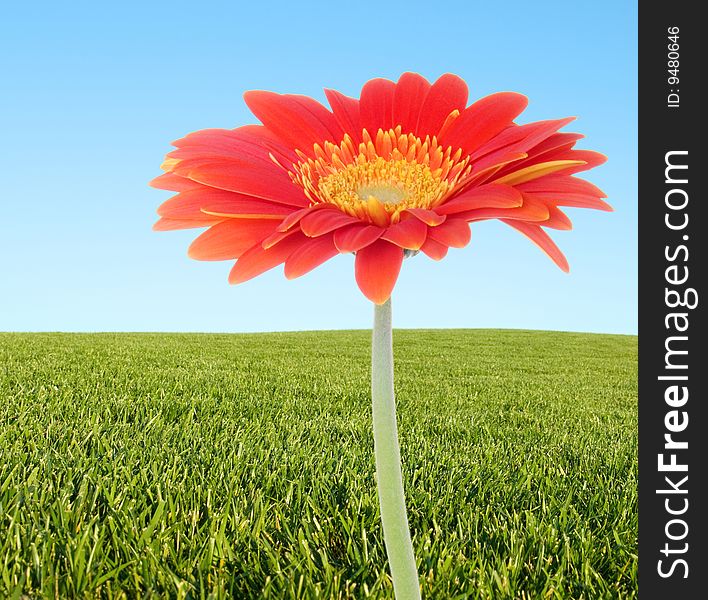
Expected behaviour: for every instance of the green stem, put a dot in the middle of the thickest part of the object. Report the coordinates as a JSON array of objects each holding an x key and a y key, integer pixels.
[{"x": 388, "y": 460}]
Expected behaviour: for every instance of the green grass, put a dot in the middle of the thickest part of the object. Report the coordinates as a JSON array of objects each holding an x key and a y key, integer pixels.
[{"x": 215, "y": 466}]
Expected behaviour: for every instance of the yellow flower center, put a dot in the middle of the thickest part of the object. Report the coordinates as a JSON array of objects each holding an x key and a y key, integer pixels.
[{"x": 379, "y": 178}]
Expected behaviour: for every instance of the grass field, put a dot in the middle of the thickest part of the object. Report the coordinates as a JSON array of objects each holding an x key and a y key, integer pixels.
[{"x": 215, "y": 466}]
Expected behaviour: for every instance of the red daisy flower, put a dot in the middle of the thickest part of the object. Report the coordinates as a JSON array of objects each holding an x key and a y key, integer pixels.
[{"x": 405, "y": 168}]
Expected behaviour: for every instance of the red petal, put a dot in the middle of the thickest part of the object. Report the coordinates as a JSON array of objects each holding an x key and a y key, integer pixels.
[
  {"x": 434, "y": 249},
  {"x": 409, "y": 234},
  {"x": 253, "y": 209},
  {"x": 257, "y": 260},
  {"x": 542, "y": 240},
  {"x": 276, "y": 237},
  {"x": 453, "y": 232},
  {"x": 562, "y": 183},
  {"x": 197, "y": 202},
  {"x": 309, "y": 256},
  {"x": 571, "y": 200},
  {"x": 408, "y": 98},
  {"x": 299, "y": 121},
  {"x": 489, "y": 166},
  {"x": 557, "y": 141},
  {"x": 484, "y": 119},
  {"x": 448, "y": 93},
  {"x": 185, "y": 205},
  {"x": 592, "y": 159},
  {"x": 294, "y": 218},
  {"x": 230, "y": 239},
  {"x": 346, "y": 111},
  {"x": 166, "y": 224},
  {"x": 558, "y": 146},
  {"x": 531, "y": 210},
  {"x": 557, "y": 219},
  {"x": 522, "y": 174},
  {"x": 251, "y": 140},
  {"x": 356, "y": 237},
  {"x": 255, "y": 178},
  {"x": 521, "y": 138},
  {"x": 376, "y": 269},
  {"x": 173, "y": 183},
  {"x": 319, "y": 222},
  {"x": 376, "y": 105},
  {"x": 429, "y": 217},
  {"x": 524, "y": 148},
  {"x": 486, "y": 196}
]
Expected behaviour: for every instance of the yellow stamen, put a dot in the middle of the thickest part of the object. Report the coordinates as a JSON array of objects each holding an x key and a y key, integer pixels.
[{"x": 382, "y": 176}]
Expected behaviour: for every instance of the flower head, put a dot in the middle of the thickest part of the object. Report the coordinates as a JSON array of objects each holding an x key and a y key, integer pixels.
[{"x": 406, "y": 167}]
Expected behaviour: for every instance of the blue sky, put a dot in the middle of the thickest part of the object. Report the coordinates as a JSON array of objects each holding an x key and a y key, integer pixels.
[{"x": 92, "y": 94}]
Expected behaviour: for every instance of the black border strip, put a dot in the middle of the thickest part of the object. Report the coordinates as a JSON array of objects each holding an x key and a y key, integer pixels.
[{"x": 672, "y": 361}]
